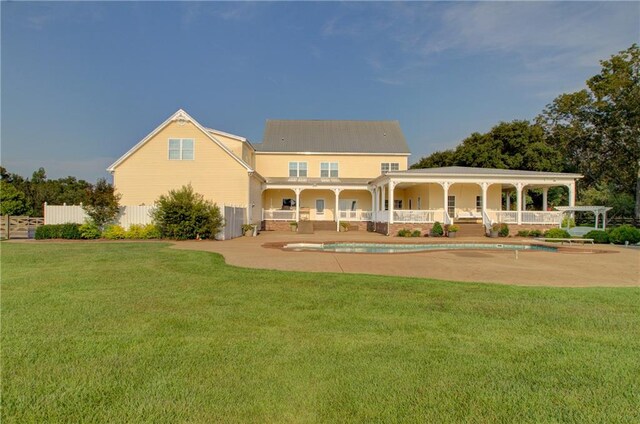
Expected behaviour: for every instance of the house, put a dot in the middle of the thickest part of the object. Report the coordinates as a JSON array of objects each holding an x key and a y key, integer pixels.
[{"x": 327, "y": 172}]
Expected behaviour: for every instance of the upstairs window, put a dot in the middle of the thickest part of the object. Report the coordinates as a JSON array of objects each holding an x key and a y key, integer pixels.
[
  {"x": 389, "y": 166},
  {"x": 297, "y": 169},
  {"x": 328, "y": 169},
  {"x": 181, "y": 148}
]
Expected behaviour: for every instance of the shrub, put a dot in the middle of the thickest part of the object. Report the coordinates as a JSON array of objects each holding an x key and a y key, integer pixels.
[
  {"x": 453, "y": 228},
  {"x": 135, "y": 232},
  {"x": 89, "y": 230},
  {"x": 625, "y": 233},
  {"x": 557, "y": 233},
  {"x": 404, "y": 233},
  {"x": 114, "y": 232},
  {"x": 598, "y": 236},
  {"x": 183, "y": 214},
  {"x": 535, "y": 233},
  {"x": 102, "y": 203},
  {"x": 503, "y": 231},
  {"x": 150, "y": 231},
  {"x": 437, "y": 230},
  {"x": 523, "y": 233},
  {"x": 59, "y": 231},
  {"x": 416, "y": 233}
]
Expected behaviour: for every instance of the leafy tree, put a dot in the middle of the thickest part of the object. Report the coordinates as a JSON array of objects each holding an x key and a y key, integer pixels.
[
  {"x": 184, "y": 214},
  {"x": 102, "y": 203},
  {"x": 12, "y": 201}
]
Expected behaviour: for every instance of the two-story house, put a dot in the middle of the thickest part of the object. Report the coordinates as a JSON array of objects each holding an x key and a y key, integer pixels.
[{"x": 327, "y": 172}]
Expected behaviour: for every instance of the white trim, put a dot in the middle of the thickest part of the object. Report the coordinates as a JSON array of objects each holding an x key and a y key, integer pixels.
[
  {"x": 258, "y": 152},
  {"x": 179, "y": 115},
  {"x": 237, "y": 137}
]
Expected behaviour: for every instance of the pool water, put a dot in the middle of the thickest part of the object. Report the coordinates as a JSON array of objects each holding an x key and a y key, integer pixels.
[{"x": 400, "y": 248}]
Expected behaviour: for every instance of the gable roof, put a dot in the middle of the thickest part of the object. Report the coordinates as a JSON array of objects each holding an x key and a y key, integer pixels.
[
  {"x": 317, "y": 136},
  {"x": 181, "y": 115}
]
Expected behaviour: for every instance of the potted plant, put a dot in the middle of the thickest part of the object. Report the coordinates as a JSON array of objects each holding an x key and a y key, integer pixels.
[
  {"x": 503, "y": 231},
  {"x": 344, "y": 226},
  {"x": 453, "y": 229},
  {"x": 248, "y": 230},
  {"x": 294, "y": 226},
  {"x": 495, "y": 228}
]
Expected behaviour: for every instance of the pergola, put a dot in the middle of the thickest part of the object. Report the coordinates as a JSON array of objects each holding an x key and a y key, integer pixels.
[{"x": 596, "y": 210}]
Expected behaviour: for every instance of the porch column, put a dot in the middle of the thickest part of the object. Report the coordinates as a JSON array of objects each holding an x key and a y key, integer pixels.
[
  {"x": 373, "y": 203},
  {"x": 445, "y": 188},
  {"x": 508, "y": 200},
  {"x": 392, "y": 185},
  {"x": 545, "y": 191},
  {"x": 485, "y": 187},
  {"x": 297, "y": 191},
  {"x": 383, "y": 194},
  {"x": 519, "y": 202},
  {"x": 337, "y": 208},
  {"x": 572, "y": 194}
]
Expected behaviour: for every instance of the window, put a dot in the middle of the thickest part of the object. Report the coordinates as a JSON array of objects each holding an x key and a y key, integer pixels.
[
  {"x": 181, "y": 148},
  {"x": 328, "y": 169},
  {"x": 320, "y": 206},
  {"x": 397, "y": 204},
  {"x": 297, "y": 169},
  {"x": 410, "y": 204},
  {"x": 419, "y": 203},
  {"x": 389, "y": 166},
  {"x": 451, "y": 205},
  {"x": 478, "y": 203}
]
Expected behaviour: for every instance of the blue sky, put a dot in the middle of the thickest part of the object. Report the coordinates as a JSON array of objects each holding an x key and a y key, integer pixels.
[{"x": 83, "y": 82}]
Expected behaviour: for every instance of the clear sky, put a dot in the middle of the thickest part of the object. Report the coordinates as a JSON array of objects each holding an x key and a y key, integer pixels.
[{"x": 84, "y": 82}]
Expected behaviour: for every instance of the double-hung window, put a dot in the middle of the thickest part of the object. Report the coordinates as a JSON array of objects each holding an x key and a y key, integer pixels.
[
  {"x": 389, "y": 166},
  {"x": 328, "y": 169},
  {"x": 478, "y": 203},
  {"x": 181, "y": 148},
  {"x": 297, "y": 169}
]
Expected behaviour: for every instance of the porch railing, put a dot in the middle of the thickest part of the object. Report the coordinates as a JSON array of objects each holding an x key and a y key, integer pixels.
[
  {"x": 528, "y": 217},
  {"x": 356, "y": 215},
  {"x": 278, "y": 215},
  {"x": 418, "y": 216}
]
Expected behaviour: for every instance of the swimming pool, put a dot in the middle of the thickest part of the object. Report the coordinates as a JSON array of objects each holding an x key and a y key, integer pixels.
[{"x": 404, "y": 248}]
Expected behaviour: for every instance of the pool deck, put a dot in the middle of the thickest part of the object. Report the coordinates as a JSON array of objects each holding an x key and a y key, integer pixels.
[{"x": 575, "y": 266}]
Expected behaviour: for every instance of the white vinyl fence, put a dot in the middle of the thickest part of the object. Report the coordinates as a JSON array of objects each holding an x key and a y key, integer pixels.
[
  {"x": 129, "y": 215},
  {"x": 234, "y": 219}
]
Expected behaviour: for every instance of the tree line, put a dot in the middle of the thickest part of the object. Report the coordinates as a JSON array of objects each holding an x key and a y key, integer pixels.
[{"x": 594, "y": 132}]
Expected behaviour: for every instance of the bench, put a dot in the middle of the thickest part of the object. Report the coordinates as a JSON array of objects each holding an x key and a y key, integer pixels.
[{"x": 566, "y": 240}]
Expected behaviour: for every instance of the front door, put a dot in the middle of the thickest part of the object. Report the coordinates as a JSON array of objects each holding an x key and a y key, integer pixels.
[{"x": 320, "y": 208}]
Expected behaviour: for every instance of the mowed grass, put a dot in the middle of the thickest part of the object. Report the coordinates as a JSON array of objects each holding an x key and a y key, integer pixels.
[{"x": 138, "y": 332}]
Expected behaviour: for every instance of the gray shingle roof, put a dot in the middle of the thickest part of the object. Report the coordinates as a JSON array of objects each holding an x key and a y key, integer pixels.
[
  {"x": 467, "y": 170},
  {"x": 333, "y": 137}
]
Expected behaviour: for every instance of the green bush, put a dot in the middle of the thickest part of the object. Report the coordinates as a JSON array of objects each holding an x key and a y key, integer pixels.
[
  {"x": 416, "y": 233},
  {"x": 404, "y": 233},
  {"x": 557, "y": 233},
  {"x": 504, "y": 230},
  {"x": 625, "y": 233},
  {"x": 150, "y": 231},
  {"x": 135, "y": 232},
  {"x": 598, "y": 236},
  {"x": 523, "y": 233},
  {"x": 183, "y": 214},
  {"x": 437, "y": 230},
  {"x": 114, "y": 232},
  {"x": 535, "y": 233},
  {"x": 67, "y": 231},
  {"x": 568, "y": 222},
  {"x": 89, "y": 230}
]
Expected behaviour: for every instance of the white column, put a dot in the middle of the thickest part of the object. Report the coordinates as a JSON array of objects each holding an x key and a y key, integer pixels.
[
  {"x": 485, "y": 187},
  {"x": 509, "y": 200},
  {"x": 373, "y": 204},
  {"x": 337, "y": 208},
  {"x": 572, "y": 194},
  {"x": 391, "y": 187},
  {"x": 519, "y": 202},
  {"x": 445, "y": 188},
  {"x": 297, "y": 191},
  {"x": 597, "y": 214},
  {"x": 545, "y": 191},
  {"x": 383, "y": 190}
]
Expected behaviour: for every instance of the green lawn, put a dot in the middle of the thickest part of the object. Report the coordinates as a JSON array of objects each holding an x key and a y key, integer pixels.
[{"x": 133, "y": 332}]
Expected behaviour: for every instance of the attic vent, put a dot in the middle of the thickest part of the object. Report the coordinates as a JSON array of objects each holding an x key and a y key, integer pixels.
[
  {"x": 384, "y": 134},
  {"x": 282, "y": 139}
]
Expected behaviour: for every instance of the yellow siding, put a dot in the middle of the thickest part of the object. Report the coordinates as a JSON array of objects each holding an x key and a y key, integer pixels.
[
  {"x": 350, "y": 166},
  {"x": 148, "y": 173}
]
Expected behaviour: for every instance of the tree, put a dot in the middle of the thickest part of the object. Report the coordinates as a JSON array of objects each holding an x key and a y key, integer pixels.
[
  {"x": 598, "y": 129},
  {"x": 183, "y": 214},
  {"x": 102, "y": 203},
  {"x": 12, "y": 201}
]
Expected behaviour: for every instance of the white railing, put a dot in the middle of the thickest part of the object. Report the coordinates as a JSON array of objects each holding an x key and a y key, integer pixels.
[
  {"x": 417, "y": 216},
  {"x": 447, "y": 219},
  {"x": 129, "y": 215},
  {"x": 278, "y": 215},
  {"x": 486, "y": 221},
  {"x": 541, "y": 217},
  {"x": 357, "y": 215},
  {"x": 528, "y": 217}
]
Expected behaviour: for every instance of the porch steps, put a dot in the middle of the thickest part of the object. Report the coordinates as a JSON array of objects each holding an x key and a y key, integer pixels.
[{"x": 470, "y": 229}]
